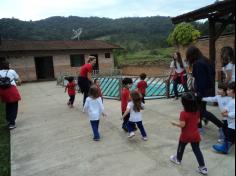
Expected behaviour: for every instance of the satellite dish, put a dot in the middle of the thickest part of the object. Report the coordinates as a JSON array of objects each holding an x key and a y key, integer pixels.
[{"x": 76, "y": 34}]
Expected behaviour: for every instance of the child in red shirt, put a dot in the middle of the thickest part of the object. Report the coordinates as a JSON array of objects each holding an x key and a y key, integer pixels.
[
  {"x": 142, "y": 86},
  {"x": 70, "y": 88},
  {"x": 125, "y": 98},
  {"x": 97, "y": 83},
  {"x": 189, "y": 120}
]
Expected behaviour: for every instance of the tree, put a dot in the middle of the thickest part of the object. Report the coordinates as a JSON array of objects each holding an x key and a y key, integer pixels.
[{"x": 183, "y": 34}]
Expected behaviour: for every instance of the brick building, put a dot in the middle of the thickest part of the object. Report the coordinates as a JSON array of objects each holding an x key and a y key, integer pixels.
[{"x": 43, "y": 60}]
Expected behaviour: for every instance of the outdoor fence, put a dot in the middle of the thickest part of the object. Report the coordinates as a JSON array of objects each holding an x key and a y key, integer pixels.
[{"x": 111, "y": 85}]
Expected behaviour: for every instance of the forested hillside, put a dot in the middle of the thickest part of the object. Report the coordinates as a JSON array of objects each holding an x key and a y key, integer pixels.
[{"x": 131, "y": 33}]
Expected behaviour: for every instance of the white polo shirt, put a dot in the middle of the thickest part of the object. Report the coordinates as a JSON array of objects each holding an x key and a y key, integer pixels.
[
  {"x": 134, "y": 116},
  {"x": 10, "y": 74}
]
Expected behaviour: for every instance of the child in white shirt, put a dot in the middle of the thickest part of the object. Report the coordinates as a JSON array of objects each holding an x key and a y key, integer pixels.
[
  {"x": 95, "y": 109},
  {"x": 222, "y": 99},
  {"x": 134, "y": 108},
  {"x": 229, "y": 131}
]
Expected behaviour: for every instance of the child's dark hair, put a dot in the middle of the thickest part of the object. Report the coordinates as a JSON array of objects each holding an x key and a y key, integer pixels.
[
  {"x": 95, "y": 80},
  {"x": 137, "y": 100},
  {"x": 223, "y": 86},
  {"x": 231, "y": 86},
  {"x": 189, "y": 102},
  {"x": 127, "y": 81},
  {"x": 5, "y": 65},
  {"x": 143, "y": 76},
  {"x": 70, "y": 79},
  {"x": 93, "y": 92},
  {"x": 227, "y": 55}
]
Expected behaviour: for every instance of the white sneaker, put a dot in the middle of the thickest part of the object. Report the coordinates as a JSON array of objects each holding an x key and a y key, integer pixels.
[
  {"x": 174, "y": 159},
  {"x": 11, "y": 127},
  {"x": 132, "y": 134},
  {"x": 145, "y": 138},
  {"x": 221, "y": 141},
  {"x": 202, "y": 170}
]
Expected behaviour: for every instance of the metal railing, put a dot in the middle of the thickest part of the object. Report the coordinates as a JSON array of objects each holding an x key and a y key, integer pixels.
[{"x": 111, "y": 86}]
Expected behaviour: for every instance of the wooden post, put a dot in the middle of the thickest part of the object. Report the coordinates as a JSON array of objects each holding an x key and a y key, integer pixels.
[{"x": 212, "y": 45}]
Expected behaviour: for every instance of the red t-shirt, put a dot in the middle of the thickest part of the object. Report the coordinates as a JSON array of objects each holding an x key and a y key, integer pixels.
[
  {"x": 85, "y": 69},
  {"x": 190, "y": 132},
  {"x": 125, "y": 98},
  {"x": 142, "y": 86},
  {"x": 99, "y": 91},
  {"x": 71, "y": 88}
]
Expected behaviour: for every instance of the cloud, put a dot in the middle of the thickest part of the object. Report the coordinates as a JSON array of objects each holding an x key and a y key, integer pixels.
[{"x": 39, "y": 9}]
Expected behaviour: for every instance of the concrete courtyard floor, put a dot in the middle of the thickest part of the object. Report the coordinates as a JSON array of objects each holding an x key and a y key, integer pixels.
[{"x": 53, "y": 140}]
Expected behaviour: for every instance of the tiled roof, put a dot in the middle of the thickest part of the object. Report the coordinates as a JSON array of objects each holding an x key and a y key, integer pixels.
[{"x": 11, "y": 45}]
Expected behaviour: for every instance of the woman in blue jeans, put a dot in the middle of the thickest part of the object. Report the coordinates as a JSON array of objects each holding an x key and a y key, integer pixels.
[{"x": 178, "y": 73}]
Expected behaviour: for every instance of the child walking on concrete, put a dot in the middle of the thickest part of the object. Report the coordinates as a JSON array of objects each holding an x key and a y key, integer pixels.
[
  {"x": 125, "y": 98},
  {"x": 95, "y": 109},
  {"x": 142, "y": 86},
  {"x": 97, "y": 83},
  {"x": 222, "y": 99},
  {"x": 229, "y": 114},
  {"x": 70, "y": 88},
  {"x": 134, "y": 108},
  {"x": 189, "y": 120}
]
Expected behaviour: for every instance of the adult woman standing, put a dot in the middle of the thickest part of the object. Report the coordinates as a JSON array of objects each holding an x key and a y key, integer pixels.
[
  {"x": 203, "y": 76},
  {"x": 85, "y": 77},
  {"x": 228, "y": 63},
  {"x": 178, "y": 71},
  {"x": 10, "y": 95}
]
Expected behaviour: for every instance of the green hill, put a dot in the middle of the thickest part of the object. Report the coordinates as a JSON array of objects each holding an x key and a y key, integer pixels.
[{"x": 131, "y": 33}]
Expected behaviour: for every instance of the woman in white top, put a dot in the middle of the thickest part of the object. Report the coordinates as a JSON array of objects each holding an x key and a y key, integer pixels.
[
  {"x": 179, "y": 74},
  {"x": 134, "y": 108},
  {"x": 10, "y": 95},
  {"x": 94, "y": 108},
  {"x": 228, "y": 63}
]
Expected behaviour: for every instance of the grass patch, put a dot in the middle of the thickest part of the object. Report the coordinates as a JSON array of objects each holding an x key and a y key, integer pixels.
[
  {"x": 4, "y": 144},
  {"x": 145, "y": 57}
]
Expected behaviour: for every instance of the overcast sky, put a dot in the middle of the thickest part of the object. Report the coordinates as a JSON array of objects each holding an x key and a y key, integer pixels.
[{"x": 41, "y": 9}]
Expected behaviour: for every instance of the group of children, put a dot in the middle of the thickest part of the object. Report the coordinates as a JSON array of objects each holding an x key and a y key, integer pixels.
[{"x": 132, "y": 103}]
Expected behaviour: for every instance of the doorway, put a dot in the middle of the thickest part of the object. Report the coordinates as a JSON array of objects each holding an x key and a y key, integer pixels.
[
  {"x": 96, "y": 66},
  {"x": 44, "y": 67}
]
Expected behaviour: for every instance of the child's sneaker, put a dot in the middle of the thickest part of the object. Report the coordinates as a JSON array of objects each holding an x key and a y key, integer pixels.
[
  {"x": 174, "y": 159},
  {"x": 144, "y": 138},
  {"x": 202, "y": 170},
  {"x": 96, "y": 139},
  {"x": 131, "y": 135},
  {"x": 11, "y": 127}
]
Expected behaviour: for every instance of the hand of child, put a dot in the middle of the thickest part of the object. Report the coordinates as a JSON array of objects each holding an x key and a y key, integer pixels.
[{"x": 173, "y": 123}]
